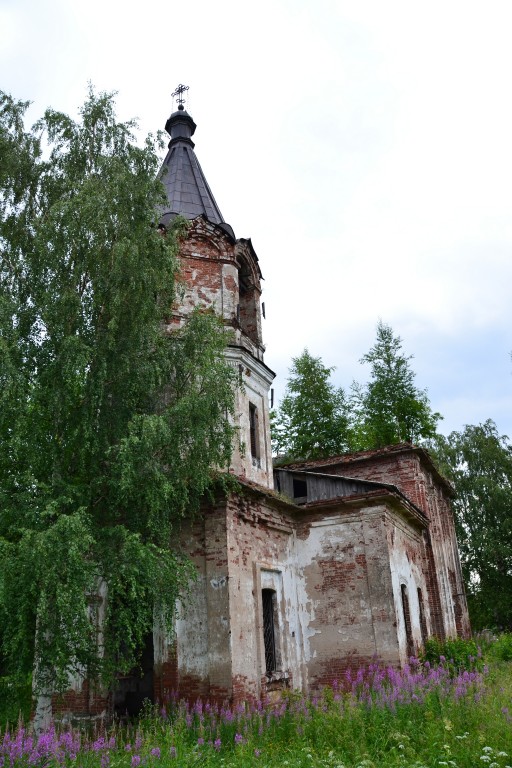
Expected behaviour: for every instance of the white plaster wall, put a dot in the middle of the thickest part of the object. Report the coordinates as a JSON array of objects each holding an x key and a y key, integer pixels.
[
  {"x": 407, "y": 568},
  {"x": 192, "y": 631},
  {"x": 256, "y": 381}
]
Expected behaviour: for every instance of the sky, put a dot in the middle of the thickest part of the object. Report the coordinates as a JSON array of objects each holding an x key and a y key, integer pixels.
[{"x": 364, "y": 146}]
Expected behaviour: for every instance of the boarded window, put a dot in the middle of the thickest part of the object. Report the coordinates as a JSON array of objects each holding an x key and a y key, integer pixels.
[{"x": 268, "y": 597}]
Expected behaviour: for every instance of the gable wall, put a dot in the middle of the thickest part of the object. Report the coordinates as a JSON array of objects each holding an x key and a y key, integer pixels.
[
  {"x": 344, "y": 564},
  {"x": 409, "y": 568},
  {"x": 447, "y": 602}
]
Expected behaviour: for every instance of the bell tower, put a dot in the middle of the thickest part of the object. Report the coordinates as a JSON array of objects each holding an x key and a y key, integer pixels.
[{"x": 222, "y": 272}]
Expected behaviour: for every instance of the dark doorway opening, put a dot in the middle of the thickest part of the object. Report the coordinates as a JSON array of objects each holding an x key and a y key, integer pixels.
[{"x": 133, "y": 689}]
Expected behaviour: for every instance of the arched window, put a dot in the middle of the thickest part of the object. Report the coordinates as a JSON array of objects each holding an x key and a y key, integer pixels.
[{"x": 248, "y": 307}]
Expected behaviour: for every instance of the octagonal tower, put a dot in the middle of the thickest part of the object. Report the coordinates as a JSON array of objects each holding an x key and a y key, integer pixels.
[{"x": 221, "y": 272}]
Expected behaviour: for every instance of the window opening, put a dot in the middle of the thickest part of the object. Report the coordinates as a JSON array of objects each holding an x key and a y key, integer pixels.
[
  {"x": 268, "y": 597},
  {"x": 253, "y": 426},
  {"x": 423, "y": 623},
  {"x": 407, "y": 621},
  {"x": 134, "y": 688},
  {"x": 248, "y": 308},
  {"x": 300, "y": 489}
]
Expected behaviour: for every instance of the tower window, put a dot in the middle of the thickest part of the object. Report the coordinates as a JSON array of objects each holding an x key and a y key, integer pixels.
[
  {"x": 253, "y": 427},
  {"x": 248, "y": 308},
  {"x": 268, "y": 597}
]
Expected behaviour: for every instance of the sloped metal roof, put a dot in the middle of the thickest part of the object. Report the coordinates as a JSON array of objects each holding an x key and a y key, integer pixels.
[{"x": 185, "y": 183}]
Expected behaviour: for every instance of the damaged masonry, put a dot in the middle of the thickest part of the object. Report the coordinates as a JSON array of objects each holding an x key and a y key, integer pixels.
[{"x": 306, "y": 570}]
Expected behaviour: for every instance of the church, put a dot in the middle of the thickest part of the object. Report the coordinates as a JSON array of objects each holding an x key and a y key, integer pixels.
[
  {"x": 313, "y": 567},
  {"x": 306, "y": 570}
]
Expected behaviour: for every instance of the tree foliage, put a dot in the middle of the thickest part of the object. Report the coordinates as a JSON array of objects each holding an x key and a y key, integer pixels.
[
  {"x": 390, "y": 408},
  {"x": 478, "y": 460},
  {"x": 108, "y": 426},
  {"x": 312, "y": 419}
]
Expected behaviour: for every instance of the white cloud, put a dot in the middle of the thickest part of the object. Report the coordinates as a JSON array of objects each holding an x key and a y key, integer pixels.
[{"x": 363, "y": 146}]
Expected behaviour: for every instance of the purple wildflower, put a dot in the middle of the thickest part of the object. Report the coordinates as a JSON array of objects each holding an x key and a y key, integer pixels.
[
  {"x": 135, "y": 761},
  {"x": 99, "y": 744}
]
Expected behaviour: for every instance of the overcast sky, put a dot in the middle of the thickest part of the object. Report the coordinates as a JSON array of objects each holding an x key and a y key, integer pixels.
[{"x": 365, "y": 146}]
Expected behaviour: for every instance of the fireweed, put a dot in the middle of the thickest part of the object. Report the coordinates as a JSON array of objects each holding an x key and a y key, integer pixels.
[{"x": 423, "y": 715}]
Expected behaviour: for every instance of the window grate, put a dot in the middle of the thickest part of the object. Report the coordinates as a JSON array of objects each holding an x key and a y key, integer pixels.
[{"x": 269, "y": 637}]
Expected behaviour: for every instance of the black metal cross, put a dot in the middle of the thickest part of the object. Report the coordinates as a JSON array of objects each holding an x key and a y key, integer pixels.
[{"x": 180, "y": 90}]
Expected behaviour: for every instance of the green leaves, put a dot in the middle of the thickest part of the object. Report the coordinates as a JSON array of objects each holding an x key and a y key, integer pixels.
[
  {"x": 46, "y": 577},
  {"x": 478, "y": 461},
  {"x": 315, "y": 420},
  {"x": 390, "y": 408},
  {"x": 312, "y": 419},
  {"x": 109, "y": 427}
]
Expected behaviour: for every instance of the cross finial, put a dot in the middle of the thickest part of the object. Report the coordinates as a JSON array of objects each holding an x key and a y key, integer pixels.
[{"x": 180, "y": 90}]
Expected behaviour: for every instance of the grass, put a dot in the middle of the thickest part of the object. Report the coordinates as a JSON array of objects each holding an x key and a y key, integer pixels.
[{"x": 429, "y": 715}]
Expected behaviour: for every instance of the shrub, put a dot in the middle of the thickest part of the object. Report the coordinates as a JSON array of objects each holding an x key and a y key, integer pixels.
[
  {"x": 15, "y": 700},
  {"x": 501, "y": 648},
  {"x": 455, "y": 653}
]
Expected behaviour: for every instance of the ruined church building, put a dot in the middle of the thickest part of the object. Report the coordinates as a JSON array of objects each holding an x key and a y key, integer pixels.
[
  {"x": 355, "y": 557},
  {"x": 314, "y": 567}
]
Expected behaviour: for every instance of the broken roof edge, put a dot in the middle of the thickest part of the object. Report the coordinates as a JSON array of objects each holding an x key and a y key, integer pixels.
[
  {"x": 376, "y": 487},
  {"x": 391, "y": 499},
  {"x": 247, "y": 242},
  {"x": 380, "y": 493},
  {"x": 167, "y": 217},
  {"x": 374, "y": 453}
]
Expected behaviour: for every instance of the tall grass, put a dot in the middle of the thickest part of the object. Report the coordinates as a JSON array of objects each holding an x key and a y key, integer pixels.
[{"x": 429, "y": 714}]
